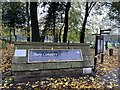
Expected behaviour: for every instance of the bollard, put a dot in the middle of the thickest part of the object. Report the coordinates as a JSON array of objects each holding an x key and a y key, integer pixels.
[
  {"x": 94, "y": 69},
  {"x": 102, "y": 58},
  {"x": 111, "y": 52},
  {"x": 95, "y": 63}
]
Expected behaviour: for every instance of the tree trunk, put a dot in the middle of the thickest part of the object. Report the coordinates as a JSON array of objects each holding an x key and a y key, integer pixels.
[
  {"x": 28, "y": 19},
  {"x": 10, "y": 35},
  {"x": 66, "y": 22},
  {"x": 60, "y": 33},
  {"x": 42, "y": 38},
  {"x": 12, "y": 27},
  {"x": 60, "y": 36},
  {"x": 14, "y": 34},
  {"x": 82, "y": 33},
  {"x": 34, "y": 22}
]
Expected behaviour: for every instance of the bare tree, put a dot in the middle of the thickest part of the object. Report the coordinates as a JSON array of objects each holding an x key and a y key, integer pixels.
[
  {"x": 88, "y": 8},
  {"x": 66, "y": 22}
]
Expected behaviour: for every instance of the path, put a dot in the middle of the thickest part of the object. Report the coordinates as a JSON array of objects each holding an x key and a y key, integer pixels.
[{"x": 109, "y": 72}]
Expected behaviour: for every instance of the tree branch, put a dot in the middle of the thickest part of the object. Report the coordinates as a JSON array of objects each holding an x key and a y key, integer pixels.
[{"x": 92, "y": 4}]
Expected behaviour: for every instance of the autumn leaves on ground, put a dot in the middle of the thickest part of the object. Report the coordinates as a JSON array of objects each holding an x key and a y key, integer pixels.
[{"x": 107, "y": 77}]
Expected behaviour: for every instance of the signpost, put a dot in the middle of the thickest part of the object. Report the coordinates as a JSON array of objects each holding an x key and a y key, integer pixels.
[
  {"x": 107, "y": 31},
  {"x": 99, "y": 45}
]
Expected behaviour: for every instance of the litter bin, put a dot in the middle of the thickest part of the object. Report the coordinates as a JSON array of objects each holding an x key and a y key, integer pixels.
[{"x": 110, "y": 52}]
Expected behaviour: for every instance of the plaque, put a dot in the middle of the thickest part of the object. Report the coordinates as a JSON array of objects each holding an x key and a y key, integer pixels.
[
  {"x": 54, "y": 55},
  {"x": 20, "y": 53},
  {"x": 87, "y": 70}
]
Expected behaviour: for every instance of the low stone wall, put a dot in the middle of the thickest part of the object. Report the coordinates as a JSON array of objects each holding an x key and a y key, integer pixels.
[{"x": 22, "y": 69}]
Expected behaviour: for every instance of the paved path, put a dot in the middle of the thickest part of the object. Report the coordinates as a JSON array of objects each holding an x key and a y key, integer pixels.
[{"x": 110, "y": 77}]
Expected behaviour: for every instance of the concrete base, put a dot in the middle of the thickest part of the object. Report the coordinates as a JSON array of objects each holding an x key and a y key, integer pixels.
[{"x": 38, "y": 75}]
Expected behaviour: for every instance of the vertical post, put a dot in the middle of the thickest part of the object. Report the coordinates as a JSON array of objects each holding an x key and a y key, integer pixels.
[
  {"x": 68, "y": 44},
  {"x": 96, "y": 51},
  {"x": 102, "y": 58},
  {"x": 102, "y": 49},
  {"x": 101, "y": 46},
  {"x": 96, "y": 45},
  {"x": 106, "y": 45}
]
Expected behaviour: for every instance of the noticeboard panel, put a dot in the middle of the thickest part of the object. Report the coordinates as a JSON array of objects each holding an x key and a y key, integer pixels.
[{"x": 100, "y": 44}]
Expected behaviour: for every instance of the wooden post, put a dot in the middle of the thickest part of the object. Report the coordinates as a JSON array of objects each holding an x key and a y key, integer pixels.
[
  {"x": 102, "y": 49},
  {"x": 106, "y": 45},
  {"x": 102, "y": 58},
  {"x": 95, "y": 63},
  {"x": 96, "y": 45}
]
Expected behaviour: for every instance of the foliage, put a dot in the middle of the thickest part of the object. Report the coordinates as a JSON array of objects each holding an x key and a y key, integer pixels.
[
  {"x": 73, "y": 36},
  {"x": 55, "y": 8},
  {"x": 4, "y": 31},
  {"x": 13, "y": 13},
  {"x": 89, "y": 38},
  {"x": 54, "y": 17},
  {"x": 75, "y": 17},
  {"x": 75, "y": 22},
  {"x": 79, "y": 17},
  {"x": 115, "y": 12}
]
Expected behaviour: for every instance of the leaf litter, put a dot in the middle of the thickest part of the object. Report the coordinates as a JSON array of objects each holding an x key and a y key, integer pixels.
[{"x": 107, "y": 77}]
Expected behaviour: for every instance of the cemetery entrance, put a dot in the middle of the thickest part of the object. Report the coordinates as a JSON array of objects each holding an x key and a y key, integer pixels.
[{"x": 33, "y": 61}]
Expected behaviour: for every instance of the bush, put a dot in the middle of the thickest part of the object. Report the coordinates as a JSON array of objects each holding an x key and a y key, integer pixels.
[{"x": 3, "y": 43}]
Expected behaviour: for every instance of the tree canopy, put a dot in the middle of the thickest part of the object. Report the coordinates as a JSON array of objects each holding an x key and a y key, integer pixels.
[
  {"x": 62, "y": 20},
  {"x": 13, "y": 15},
  {"x": 115, "y": 13}
]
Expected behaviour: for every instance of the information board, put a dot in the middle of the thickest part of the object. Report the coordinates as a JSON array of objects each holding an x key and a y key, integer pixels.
[
  {"x": 100, "y": 44},
  {"x": 54, "y": 55}
]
